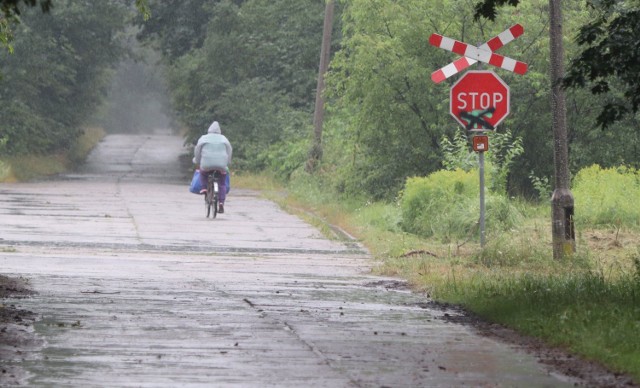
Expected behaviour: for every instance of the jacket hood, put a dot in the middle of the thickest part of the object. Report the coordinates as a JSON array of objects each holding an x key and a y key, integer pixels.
[{"x": 214, "y": 128}]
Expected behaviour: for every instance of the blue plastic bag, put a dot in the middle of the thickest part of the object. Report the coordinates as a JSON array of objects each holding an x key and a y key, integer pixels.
[{"x": 196, "y": 185}]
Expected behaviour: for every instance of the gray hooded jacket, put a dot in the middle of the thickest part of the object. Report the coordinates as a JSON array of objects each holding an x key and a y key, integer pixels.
[{"x": 213, "y": 151}]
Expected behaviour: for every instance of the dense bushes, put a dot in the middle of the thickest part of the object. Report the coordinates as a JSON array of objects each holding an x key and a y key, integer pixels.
[
  {"x": 445, "y": 204},
  {"x": 440, "y": 204}
]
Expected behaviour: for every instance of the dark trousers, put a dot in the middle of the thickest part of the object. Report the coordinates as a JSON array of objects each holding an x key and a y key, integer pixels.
[{"x": 222, "y": 183}]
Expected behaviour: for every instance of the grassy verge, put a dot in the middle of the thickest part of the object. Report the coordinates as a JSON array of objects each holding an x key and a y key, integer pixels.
[
  {"x": 28, "y": 167},
  {"x": 588, "y": 304}
]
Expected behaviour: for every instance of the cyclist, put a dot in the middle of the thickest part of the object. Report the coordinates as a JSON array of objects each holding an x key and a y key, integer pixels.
[{"x": 213, "y": 152}]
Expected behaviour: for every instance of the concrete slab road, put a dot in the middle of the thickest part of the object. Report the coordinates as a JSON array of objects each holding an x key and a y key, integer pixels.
[{"x": 136, "y": 288}]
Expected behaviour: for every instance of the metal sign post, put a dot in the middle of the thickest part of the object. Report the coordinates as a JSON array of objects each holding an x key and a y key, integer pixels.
[
  {"x": 482, "y": 206},
  {"x": 479, "y": 101},
  {"x": 481, "y": 145}
]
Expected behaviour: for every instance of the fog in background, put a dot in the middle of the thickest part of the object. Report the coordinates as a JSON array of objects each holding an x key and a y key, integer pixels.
[{"x": 138, "y": 101}]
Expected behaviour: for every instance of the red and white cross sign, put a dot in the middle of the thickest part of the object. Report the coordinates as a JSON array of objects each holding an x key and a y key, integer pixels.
[{"x": 483, "y": 53}]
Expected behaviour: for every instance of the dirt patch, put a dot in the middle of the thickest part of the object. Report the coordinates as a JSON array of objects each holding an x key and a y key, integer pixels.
[
  {"x": 394, "y": 285},
  {"x": 16, "y": 333},
  {"x": 588, "y": 373},
  {"x": 15, "y": 288}
]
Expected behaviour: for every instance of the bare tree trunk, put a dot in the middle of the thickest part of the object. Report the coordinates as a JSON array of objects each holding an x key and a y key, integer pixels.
[
  {"x": 562, "y": 200},
  {"x": 315, "y": 153}
]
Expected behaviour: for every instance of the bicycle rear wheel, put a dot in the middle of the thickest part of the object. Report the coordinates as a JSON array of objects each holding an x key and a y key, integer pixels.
[
  {"x": 208, "y": 198},
  {"x": 215, "y": 199}
]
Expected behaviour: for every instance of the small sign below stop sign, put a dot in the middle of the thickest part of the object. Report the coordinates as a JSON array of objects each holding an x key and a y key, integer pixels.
[{"x": 479, "y": 91}]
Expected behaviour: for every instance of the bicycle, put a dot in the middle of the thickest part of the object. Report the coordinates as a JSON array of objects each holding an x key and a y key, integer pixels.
[{"x": 211, "y": 198}]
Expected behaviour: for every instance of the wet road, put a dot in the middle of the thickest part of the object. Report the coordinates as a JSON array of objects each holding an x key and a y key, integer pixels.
[{"x": 136, "y": 288}]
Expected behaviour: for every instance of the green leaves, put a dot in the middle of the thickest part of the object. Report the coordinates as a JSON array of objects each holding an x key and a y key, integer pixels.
[
  {"x": 58, "y": 73},
  {"x": 609, "y": 56},
  {"x": 6, "y": 35},
  {"x": 143, "y": 8}
]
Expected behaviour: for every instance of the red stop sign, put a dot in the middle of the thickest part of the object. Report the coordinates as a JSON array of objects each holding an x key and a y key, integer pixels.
[{"x": 479, "y": 98}]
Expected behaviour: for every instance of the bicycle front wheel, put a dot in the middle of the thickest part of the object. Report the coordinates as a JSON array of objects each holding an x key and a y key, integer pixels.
[{"x": 207, "y": 204}]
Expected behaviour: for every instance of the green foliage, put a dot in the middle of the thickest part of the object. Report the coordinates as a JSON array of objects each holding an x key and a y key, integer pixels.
[
  {"x": 175, "y": 27},
  {"x": 6, "y": 35},
  {"x": 456, "y": 153},
  {"x": 285, "y": 160},
  {"x": 143, "y": 8},
  {"x": 4, "y": 168},
  {"x": 607, "y": 196},
  {"x": 378, "y": 81},
  {"x": 542, "y": 187},
  {"x": 502, "y": 154},
  {"x": 268, "y": 132},
  {"x": 444, "y": 204},
  {"x": 251, "y": 65},
  {"x": 502, "y": 213},
  {"x": 381, "y": 216},
  {"x": 57, "y": 75},
  {"x": 606, "y": 63},
  {"x": 636, "y": 264},
  {"x": 11, "y": 8}
]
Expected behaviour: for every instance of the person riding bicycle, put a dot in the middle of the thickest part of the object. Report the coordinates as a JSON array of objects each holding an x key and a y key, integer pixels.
[{"x": 213, "y": 153}]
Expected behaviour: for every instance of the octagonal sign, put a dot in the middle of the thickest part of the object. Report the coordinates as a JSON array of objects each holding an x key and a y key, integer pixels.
[{"x": 479, "y": 100}]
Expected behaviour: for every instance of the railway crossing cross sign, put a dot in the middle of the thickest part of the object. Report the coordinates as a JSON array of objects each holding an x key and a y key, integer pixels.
[
  {"x": 483, "y": 53},
  {"x": 479, "y": 100}
]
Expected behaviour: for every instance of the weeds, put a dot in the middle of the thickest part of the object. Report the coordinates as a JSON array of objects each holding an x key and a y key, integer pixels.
[
  {"x": 581, "y": 310},
  {"x": 603, "y": 196},
  {"x": 636, "y": 263},
  {"x": 84, "y": 144}
]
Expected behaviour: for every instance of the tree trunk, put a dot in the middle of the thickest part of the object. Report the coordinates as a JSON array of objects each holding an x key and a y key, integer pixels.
[
  {"x": 562, "y": 199},
  {"x": 315, "y": 153}
]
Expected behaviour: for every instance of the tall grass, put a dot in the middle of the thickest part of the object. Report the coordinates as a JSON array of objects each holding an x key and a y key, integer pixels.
[
  {"x": 446, "y": 205},
  {"x": 608, "y": 197},
  {"x": 5, "y": 171},
  {"x": 83, "y": 145},
  {"x": 583, "y": 311},
  {"x": 28, "y": 167}
]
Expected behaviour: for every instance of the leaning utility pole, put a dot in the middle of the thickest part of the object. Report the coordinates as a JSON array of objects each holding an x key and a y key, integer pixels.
[
  {"x": 563, "y": 233},
  {"x": 315, "y": 153}
]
